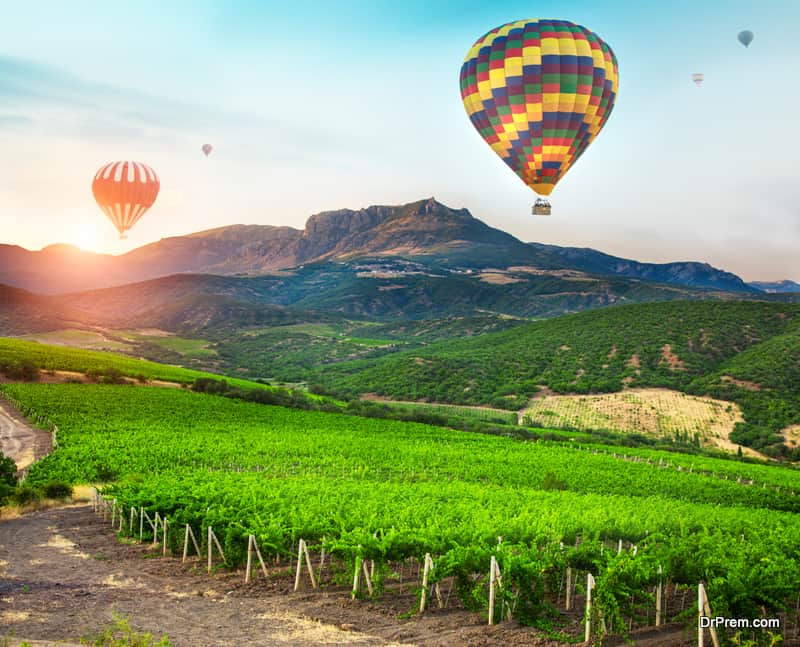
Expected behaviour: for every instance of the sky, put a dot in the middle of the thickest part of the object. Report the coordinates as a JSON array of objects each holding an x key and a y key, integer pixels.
[{"x": 316, "y": 106}]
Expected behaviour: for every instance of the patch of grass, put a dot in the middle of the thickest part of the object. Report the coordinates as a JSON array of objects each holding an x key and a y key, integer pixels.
[
  {"x": 120, "y": 634},
  {"x": 87, "y": 339}
]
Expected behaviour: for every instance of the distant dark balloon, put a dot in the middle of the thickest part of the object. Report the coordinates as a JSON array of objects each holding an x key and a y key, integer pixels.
[
  {"x": 207, "y": 148},
  {"x": 746, "y": 37},
  {"x": 697, "y": 78}
]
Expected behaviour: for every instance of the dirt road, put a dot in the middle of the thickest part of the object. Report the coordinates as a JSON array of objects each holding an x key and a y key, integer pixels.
[
  {"x": 63, "y": 574},
  {"x": 19, "y": 440}
]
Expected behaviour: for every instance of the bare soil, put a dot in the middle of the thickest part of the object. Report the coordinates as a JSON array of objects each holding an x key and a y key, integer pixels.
[
  {"x": 64, "y": 574},
  {"x": 19, "y": 440}
]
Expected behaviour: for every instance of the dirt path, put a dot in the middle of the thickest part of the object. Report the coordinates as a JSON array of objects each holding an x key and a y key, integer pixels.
[
  {"x": 19, "y": 440},
  {"x": 62, "y": 574}
]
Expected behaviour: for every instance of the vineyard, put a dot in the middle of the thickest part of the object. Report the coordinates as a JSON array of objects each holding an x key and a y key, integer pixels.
[
  {"x": 49, "y": 357},
  {"x": 387, "y": 491},
  {"x": 656, "y": 412}
]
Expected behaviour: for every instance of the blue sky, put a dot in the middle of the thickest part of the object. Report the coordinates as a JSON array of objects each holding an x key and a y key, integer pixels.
[{"x": 347, "y": 104}]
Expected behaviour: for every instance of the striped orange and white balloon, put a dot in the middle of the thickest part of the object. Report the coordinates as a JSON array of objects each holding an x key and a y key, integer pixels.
[{"x": 125, "y": 191}]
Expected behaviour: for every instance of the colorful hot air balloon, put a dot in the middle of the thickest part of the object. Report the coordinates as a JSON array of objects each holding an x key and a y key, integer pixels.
[
  {"x": 207, "y": 148},
  {"x": 746, "y": 37},
  {"x": 697, "y": 78},
  {"x": 539, "y": 92},
  {"x": 124, "y": 191}
]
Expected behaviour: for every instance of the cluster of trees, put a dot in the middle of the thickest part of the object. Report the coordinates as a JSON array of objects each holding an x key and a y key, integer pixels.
[{"x": 20, "y": 369}]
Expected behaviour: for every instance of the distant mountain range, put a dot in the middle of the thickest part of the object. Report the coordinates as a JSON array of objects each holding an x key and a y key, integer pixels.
[
  {"x": 425, "y": 232},
  {"x": 773, "y": 287}
]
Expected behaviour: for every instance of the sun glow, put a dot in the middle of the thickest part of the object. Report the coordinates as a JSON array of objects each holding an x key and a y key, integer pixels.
[{"x": 86, "y": 235}]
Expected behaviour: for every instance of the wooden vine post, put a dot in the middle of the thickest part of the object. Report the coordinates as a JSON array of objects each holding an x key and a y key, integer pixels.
[
  {"x": 158, "y": 522},
  {"x": 304, "y": 558},
  {"x": 252, "y": 546},
  {"x": 704, "y": 609},
  {"x": 426, "y": 573},
  {"x": 658, "y": 597},
  {"x": 568, "y": 600},
  {"x": 357, "y": 577},
  {"x": 589, "y": 589},
  {"x": 189, "y": 533},
  {"x": 164, "y": 524},
  {"x": 495, "y": 583},
  {"x": 213, "y": 538}
]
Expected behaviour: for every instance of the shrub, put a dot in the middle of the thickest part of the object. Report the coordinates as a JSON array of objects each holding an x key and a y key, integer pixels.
[
  {"x": 57, "y": 490},
  {"x": 26, "y": 494},
  {"x": 105, "y": 473},
  {"x": 24, "y": 369},
  {"x": 109, "y": 375},
  {"x": 8, "y": 470}
]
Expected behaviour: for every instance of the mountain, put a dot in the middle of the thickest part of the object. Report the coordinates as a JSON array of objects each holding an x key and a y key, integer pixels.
[
  {"x": 23, "y": 312},
  {"x": 425, "y": 232},
  {"x": 375, "y": 288},
  {"x": 776, "y": 286},
  {"x": 690, "y": 274}
]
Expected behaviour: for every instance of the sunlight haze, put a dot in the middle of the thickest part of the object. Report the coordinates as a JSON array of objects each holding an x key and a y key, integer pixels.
[{"x": 327, "y": 106}]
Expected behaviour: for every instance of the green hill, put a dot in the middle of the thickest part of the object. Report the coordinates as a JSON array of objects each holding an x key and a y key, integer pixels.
[
  {"x": 63, "y": 358},
  {"x": 688, "y": 346}
]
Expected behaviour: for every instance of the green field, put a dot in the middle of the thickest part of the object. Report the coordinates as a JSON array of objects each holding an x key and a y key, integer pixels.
[
  {"x": 484, "y": 414},
  {"x": 186, "y": 347},
  {"x": 389, "y": 490},
  {"x": 87, "y": 339},
  {"x": 64, "y": 358}
]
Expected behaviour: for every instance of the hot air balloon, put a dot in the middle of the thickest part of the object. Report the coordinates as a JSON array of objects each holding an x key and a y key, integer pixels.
[
  {"x": 539, "y": 92},
  {"x": 746, "y": 37},
  {"x": 697, "y": 78},
  {"x": 124, "y": 191},
  {"x": 207, "y": 148}
]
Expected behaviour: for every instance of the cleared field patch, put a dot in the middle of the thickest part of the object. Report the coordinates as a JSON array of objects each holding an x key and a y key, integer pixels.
[
  {"x": 792, "y": 436},
  {"x": 189, "y": 348},
  {"x": 655, "y": 412},
  {"x": 485, "y": 414},
  {"x": 88, "y": 339}
]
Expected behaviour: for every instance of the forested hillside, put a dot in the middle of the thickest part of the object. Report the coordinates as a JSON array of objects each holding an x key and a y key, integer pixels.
[{"x": 693, "y": 347}]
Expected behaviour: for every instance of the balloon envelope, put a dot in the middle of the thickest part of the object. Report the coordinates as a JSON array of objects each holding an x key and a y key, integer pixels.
[
  {"x": 539, "y": 92},
  {"x": 746, "y": 37},
  {"x": 697, "y": 78},
  {"x": 125, "y": 191},
  {"x": 207, "y": 148}
]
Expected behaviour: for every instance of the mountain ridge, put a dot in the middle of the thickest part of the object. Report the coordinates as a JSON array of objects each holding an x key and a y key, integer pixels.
[{"x": 425, "y": 231}]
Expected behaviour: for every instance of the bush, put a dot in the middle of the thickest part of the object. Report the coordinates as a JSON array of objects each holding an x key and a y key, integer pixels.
[
  {"x": 106, "y": 376},
  {"x": 210, "y": 385},
  {"x": 24, "y": 369},
  {"x": 8, "y": 470},
  {"x": 57, "y": 490},
  {"x": 105, "y": 473},
  {"x": 26, "y": 494}
]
